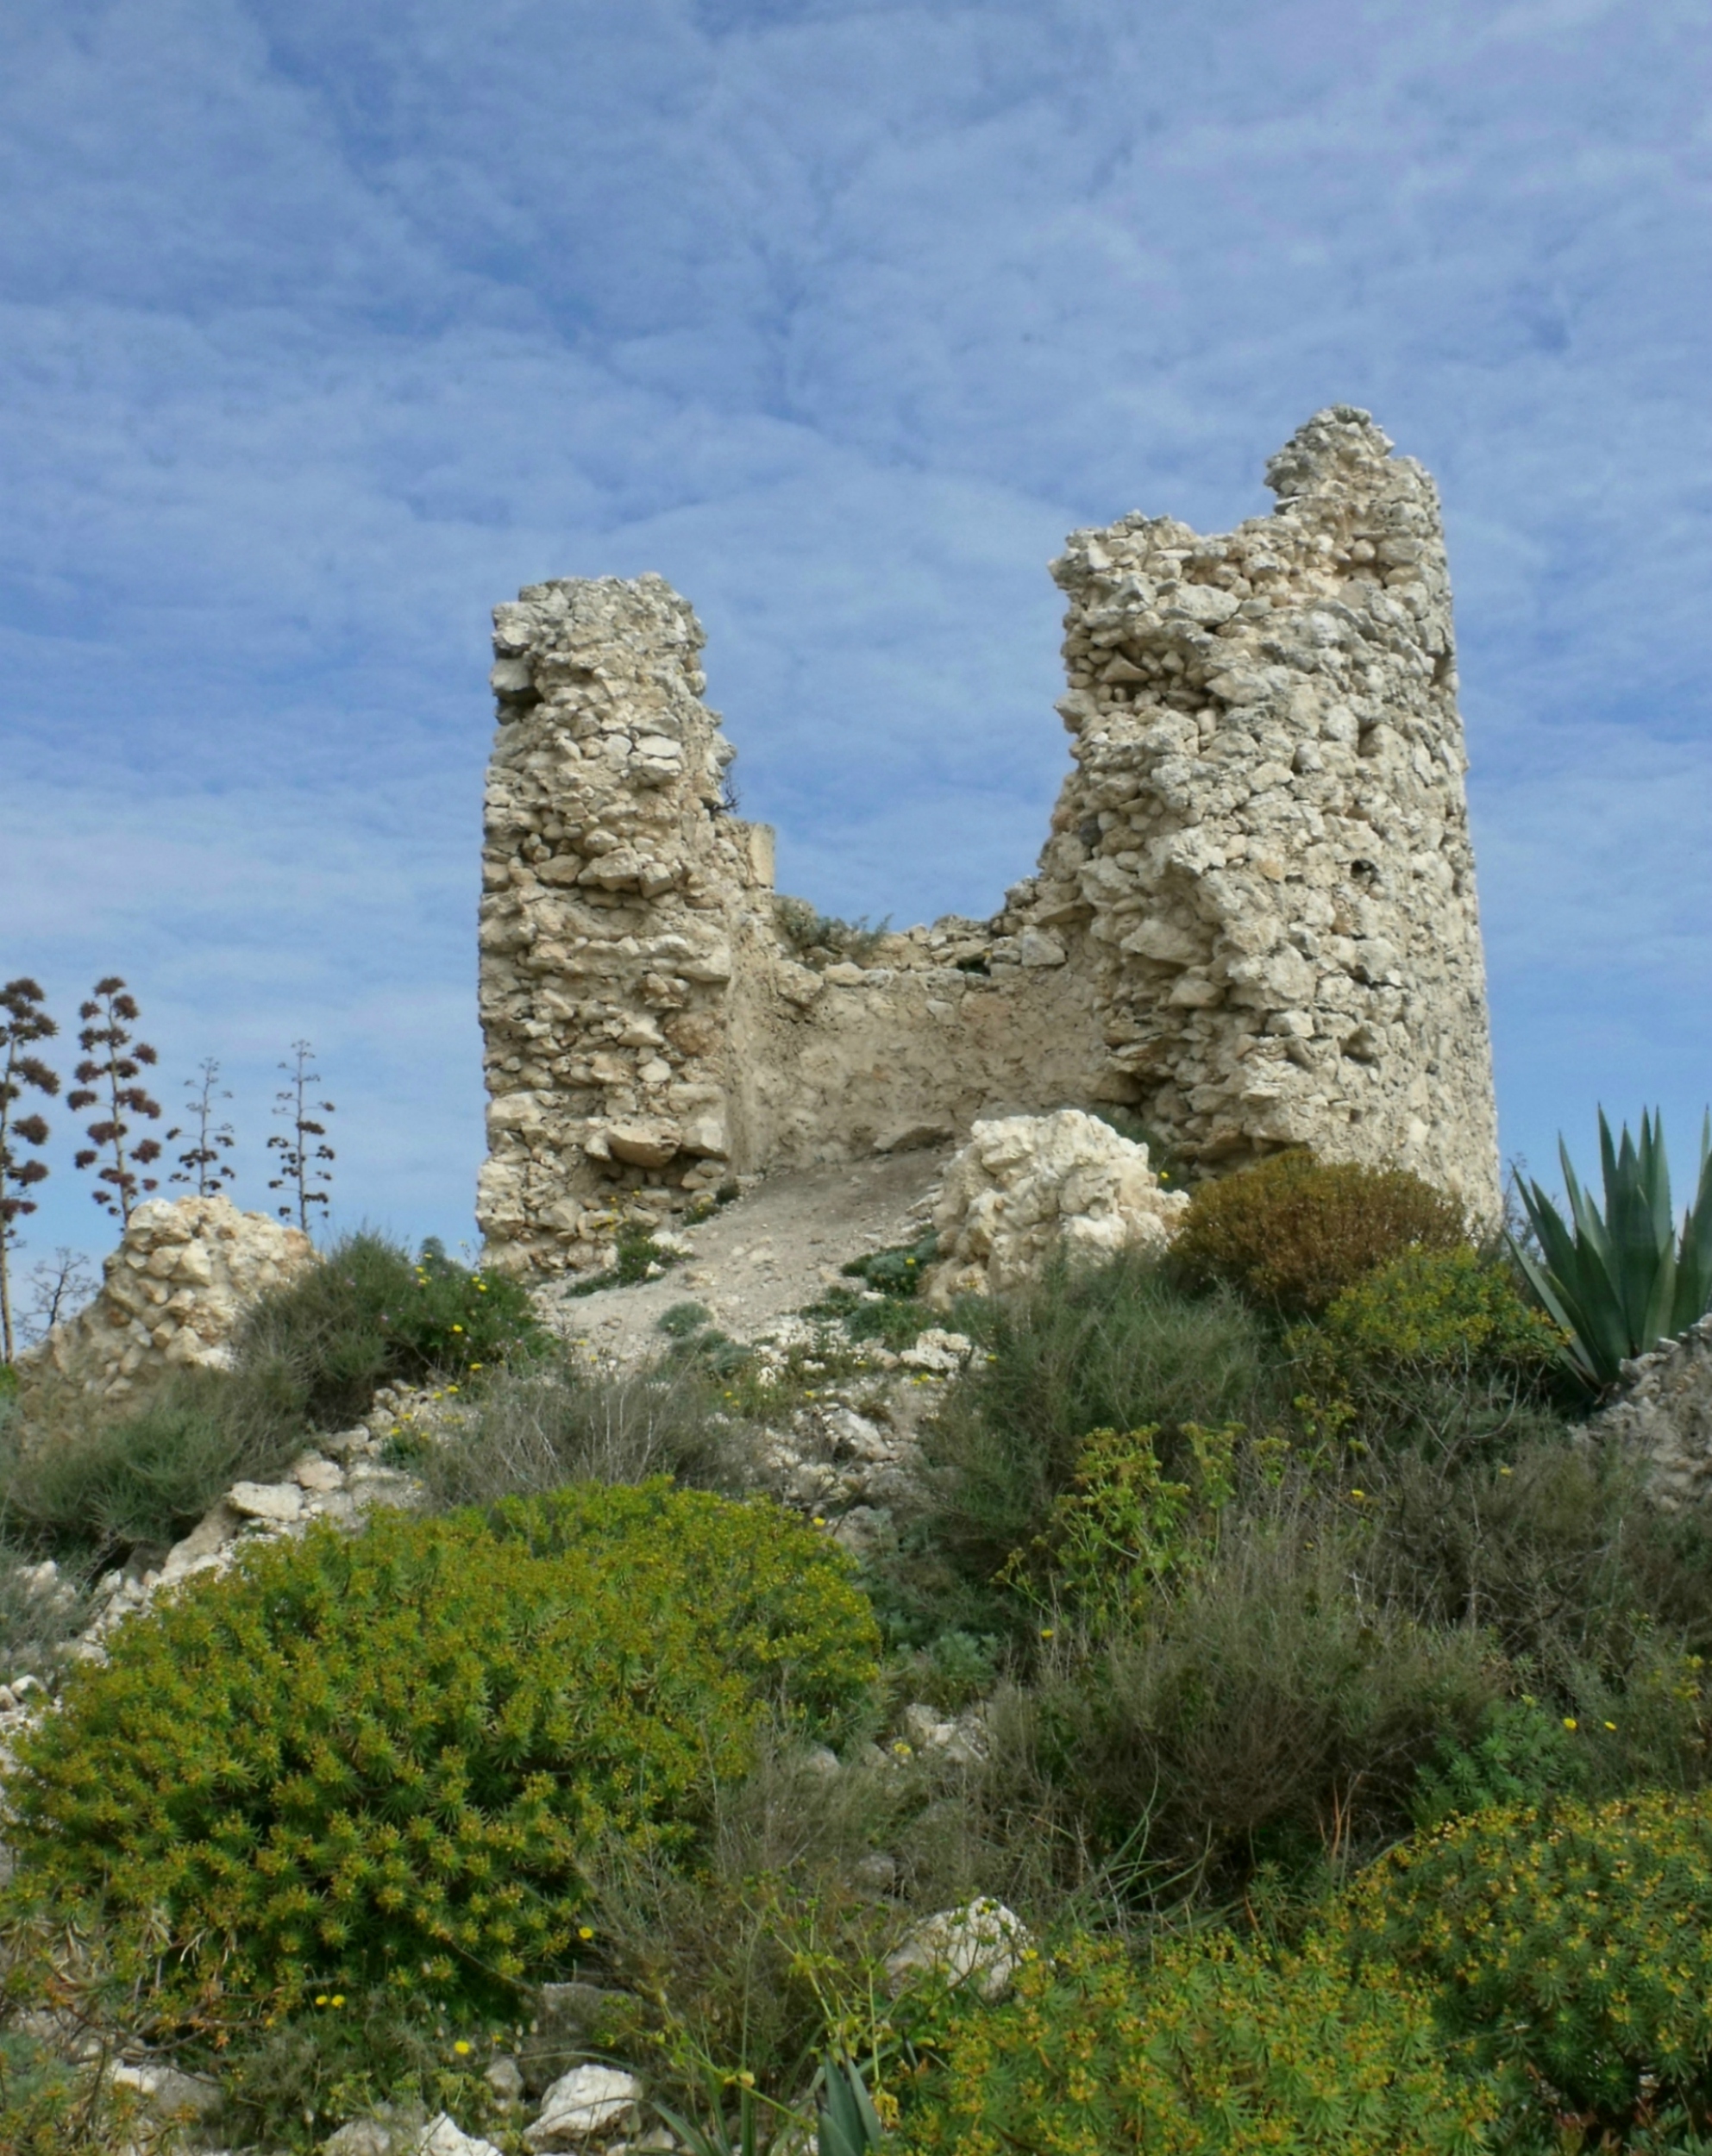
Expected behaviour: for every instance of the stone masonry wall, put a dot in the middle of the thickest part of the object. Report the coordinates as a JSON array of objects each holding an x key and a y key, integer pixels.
[
  {"x": 1253, "y": 924},
  {"x": 171, "y": 1295}
]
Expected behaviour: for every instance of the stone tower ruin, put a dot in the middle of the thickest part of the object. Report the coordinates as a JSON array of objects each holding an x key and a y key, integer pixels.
[{"x": 1253, "y": 924}]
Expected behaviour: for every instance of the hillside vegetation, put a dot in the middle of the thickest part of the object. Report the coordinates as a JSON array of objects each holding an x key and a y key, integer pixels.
[{"x": 1330, "y": 1716}]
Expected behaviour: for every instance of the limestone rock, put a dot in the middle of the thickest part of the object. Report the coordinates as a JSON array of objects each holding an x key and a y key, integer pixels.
[
  {"x": 1026, "y": 1188},
  {"x": 166, "y": 2094},
  {"x": 1664, "y": 1413},
  {"x": 981, "y": 1945},
  {"x": 173, "y": 1292},
  {"x": 588, "y": 2101},
  {"x": 443, "y": 2137}
]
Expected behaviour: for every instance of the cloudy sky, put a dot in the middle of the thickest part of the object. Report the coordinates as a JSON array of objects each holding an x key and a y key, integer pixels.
[{"x": 325, "y": 326}]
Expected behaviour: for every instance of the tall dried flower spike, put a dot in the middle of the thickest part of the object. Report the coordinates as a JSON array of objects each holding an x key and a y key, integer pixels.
[
  {"x": 204, "y": 1164},
  {"x": 107, "y": 1080},
  {"x": 23, "y": 1022},
  {"x": 301, "y": 1173}
]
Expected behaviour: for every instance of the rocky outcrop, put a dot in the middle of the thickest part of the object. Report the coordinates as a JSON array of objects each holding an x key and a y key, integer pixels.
[
  {"x": 1253, "y": 923},
  {"x": 1664, "y": 1413},
  {"x": 172, "y": 1293},
  {"x": 1026, "y": 1189}
]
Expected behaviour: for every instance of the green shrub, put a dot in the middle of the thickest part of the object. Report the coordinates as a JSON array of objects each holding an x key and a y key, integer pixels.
[
  {"x": 773, "y": 1945},
  {"x": 1589, "y": 1595},
  {"x": 1217, "y": 2046},
  {"x": 92, "y": 1488},
  {"x": 1438, "y": 1308},
  {"x": 896, "y": 1272},
  {"x": 1566, "y": 1942},
  {"x": 380, "y": 1759},
  {"x": 1114, "y": 1347},
  {"x": 811, "y": 933},
  {"x": 1294, "y": 1232},
  {"x": 1522, "y": 1754},
  {"x": 545, "y": 1423},
  {"x": 307, "y": 1357},
  {"x": 368, "y": 1315},
  {"x": 1264, "y": 1705}
]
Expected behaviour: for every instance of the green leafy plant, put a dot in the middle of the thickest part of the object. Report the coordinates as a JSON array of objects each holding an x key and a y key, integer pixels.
[
  {"x": 109, "y": 1078},
  {"x": 1570, "y": 1945},
  {"x": 369, "y": 1315},
  {"x": 1294, "y": 1232},
  {"x": 1124, "y": 1526},
  {"x": 305, "y": 1157},
  {"x": 382, "y": 1760},
  {"x": 23, "y": 1023},
  {"x": 1439, "y": 1348},
  {"x": 1116, "y": 1347},
  {"x": 1215, "y": 2045},
  {"x": 635, "y": 1258},
  {"x": 897, "y": 1271},
  {"x": 1620, "y": 1282}
]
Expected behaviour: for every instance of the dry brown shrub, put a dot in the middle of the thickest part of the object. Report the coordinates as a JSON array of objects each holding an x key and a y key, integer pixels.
[{"x": 1294, "y": 1232}]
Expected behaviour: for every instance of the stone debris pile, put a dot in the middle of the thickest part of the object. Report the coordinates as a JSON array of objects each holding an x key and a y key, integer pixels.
[
  {"x": 172, "y": 1293},
  {"x": 1028, "y": 1188}
]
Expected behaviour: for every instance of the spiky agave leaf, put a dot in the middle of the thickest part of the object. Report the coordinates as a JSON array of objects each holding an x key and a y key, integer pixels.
[{"x": 1620, "y": 1282}]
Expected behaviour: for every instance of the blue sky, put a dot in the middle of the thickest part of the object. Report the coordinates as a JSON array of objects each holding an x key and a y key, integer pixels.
[{"x": 324, "y": 327}]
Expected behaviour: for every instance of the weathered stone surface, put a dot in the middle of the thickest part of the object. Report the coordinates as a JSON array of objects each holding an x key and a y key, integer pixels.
[
  {"x": 586, "y": 2101},
  {"x": 981, "y": 1945},
  {"x": 443, "y": 2137},
  {"x": 1027, "y": 1188},
  {"x": 172, "y": 1293},
  {"x": 1254, "y": 920},
  {"x": 1664, "y": 1413}
]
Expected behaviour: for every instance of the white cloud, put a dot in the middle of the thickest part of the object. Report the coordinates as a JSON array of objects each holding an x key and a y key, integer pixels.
[{"x": 327, "y": 328}]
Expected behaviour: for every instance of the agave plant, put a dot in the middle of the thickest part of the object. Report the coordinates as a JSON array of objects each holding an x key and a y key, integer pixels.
[{"x": 1621, "y": 1281}]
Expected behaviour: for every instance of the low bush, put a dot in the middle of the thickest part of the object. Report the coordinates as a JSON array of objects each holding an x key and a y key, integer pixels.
[
  {"x": 369, "y": 1315},
  {"x": 1598, "y": 1603},
  {"x": 1438, "y": 1350},
  {"x": 89, "y": 1488},
  {"x": 1570, "y": 1945},
  {"x": 543, "y": 1424},
  {"x": 772, "y": 1947},
  {"x": 1261, "y": 1707},
  {"x": 381, "y": 1760},
  {"x": 1294, "y": 1232},
  {"x": 1114, "y": 1347},
  {"x": 1216, "y": 2046},
  {"x": 307, "y": 1357}
]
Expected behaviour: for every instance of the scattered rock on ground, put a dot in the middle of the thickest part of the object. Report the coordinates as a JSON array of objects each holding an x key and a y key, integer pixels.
[
  {"x": 1026, "y": 1188},
  {"x": 588, "y": 2101}
]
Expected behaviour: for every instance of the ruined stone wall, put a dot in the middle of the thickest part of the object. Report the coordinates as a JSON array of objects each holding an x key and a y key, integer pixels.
[
  {"x": 1253, "y": 924},
  {"x": 173, "y": 1293}
]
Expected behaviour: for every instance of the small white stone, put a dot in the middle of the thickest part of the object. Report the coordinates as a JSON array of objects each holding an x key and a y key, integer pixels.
[
  {"x": 279, "y": 1502},
  {"x": 587, "y": 2100},
  {"x": 981, "y": 1945}
]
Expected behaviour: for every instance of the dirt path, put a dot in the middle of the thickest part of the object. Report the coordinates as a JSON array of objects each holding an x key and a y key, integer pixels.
[{"x": 764, "y": 1256}]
